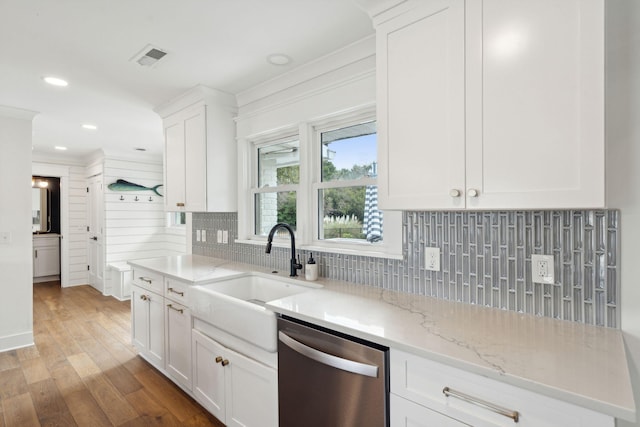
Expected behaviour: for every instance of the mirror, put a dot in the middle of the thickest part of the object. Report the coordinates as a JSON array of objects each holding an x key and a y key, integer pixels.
[{"x": 40, "y": 210}]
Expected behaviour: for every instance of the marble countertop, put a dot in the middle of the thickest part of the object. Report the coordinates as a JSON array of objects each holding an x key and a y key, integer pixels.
[{"x": 570, "y": 361}]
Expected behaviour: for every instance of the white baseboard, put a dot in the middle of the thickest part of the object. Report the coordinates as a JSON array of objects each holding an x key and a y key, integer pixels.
[{"x": 13, "y": 342}]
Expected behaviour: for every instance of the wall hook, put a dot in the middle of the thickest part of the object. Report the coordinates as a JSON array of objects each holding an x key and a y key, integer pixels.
[
  {"x": 136, "y": 199},
  {"x": 121, "y": 197},
  {"x": 150, "y": 199}
]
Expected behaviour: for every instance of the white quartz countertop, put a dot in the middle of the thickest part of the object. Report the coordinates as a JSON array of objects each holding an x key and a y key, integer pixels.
[{"x": 577, "y": 363}]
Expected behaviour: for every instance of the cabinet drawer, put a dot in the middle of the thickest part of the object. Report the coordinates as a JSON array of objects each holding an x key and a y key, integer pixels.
[
  {"x": 176, "y": 290},
  {"x": 148, "y": 279},
  {"x": 480, "y": 401}
]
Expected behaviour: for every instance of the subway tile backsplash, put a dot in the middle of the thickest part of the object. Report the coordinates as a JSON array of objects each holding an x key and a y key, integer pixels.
[{"x": 485, "y": 260}]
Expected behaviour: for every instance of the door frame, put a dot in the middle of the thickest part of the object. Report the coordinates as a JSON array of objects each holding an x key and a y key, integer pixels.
[{"x": 62, "y": 172}]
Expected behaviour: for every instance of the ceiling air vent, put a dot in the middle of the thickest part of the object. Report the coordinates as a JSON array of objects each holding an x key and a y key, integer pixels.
[{"x": 149, "y": 56}]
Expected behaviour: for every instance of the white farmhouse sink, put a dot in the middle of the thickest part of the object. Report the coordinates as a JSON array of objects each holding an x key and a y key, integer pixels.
[{"x": 236, "y": 305}]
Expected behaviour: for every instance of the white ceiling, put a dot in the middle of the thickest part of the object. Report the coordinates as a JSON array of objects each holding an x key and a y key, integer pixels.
[{"x": 222, "y": 44}]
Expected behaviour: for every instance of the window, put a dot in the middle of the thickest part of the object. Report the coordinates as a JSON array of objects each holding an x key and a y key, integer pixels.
[
  {"x": 346, "y": 186},
  {"x": 278, "y": 178},
  {"x": 320, "y": 178}
]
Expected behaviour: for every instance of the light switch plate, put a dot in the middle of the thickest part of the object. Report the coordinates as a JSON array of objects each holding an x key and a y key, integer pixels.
[
  {"x": 198, "y": 238},
  {"x": 542, "y": 269},
  {"x": 225, "y": 236},
  {"x": 432, "y": 259},
  {"x": 219, "y": 239},
  {"x": 204, "y": 235}
]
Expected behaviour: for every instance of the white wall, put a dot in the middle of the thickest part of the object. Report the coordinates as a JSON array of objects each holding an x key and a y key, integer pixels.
[
  {"x": 16, "y": 262},
  {"x": 623, "y": 164},
  {"x": 136, "y": 229}
]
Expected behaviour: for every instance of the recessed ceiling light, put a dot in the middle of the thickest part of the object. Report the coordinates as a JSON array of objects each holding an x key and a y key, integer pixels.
[
  {"x": 89, "y": 126},
  {"x": 60, "y": 148},
  {"x": 278, "y": 59},
  {"x": 55, "y": 81}
]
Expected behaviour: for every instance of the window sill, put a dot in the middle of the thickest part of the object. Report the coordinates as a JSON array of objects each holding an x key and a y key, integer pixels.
[{"x": 358, "y": 250}]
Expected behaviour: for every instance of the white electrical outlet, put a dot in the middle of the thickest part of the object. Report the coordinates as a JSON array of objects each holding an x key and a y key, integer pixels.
[
  {"x": 432, "y": 259},
  {"x": 542, "y": 269},
  {"x": 225, "y": 236},
  {"x": 219, "y": 239},
  {"x": 204, "y": 235},
  {"x": 198, "y": 238}
]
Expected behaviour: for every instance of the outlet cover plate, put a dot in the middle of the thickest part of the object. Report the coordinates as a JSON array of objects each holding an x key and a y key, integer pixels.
[
  {"x": 432, "y": 259},
  {"x": 542, "y": 269}
]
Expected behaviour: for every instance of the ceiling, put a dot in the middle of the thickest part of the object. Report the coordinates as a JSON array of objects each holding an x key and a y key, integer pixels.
[{"x": 223, "y": 44}]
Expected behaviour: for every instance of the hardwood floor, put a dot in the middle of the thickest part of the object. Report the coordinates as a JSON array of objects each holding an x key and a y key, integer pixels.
[{"x": 83, "y": 370}]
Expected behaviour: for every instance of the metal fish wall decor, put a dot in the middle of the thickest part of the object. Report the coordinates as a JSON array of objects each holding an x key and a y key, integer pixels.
[{"x": 122, "y": 185}]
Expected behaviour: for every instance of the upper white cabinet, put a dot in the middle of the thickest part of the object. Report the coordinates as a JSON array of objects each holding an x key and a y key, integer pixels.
[
  {"x": 200, "y": 152},
  {"x": 491, "y": 105}
]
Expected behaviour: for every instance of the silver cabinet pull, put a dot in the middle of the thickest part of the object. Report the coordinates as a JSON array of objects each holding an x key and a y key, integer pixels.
[
  {"x": 145, "y": 279},
  {"x": 328, "y": 359},
  {"x": 514, "y": 415},
  {"x": 176, "y": 292},
  {"x": 179, "y": 310}
]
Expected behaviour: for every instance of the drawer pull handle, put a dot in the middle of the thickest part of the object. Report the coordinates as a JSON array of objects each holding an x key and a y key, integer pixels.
[
  {"x": 218, "y": 359},
  {"x": 176, "y": 292},
  {"x": 514, "y": 415},
  {"x": 225, "y": 362},
  {"x": 143, "y": 297},
  {"x": 180, "y": 205},
  {"x": 145, "y": 279},
  {"x": 179, "y": 310}
]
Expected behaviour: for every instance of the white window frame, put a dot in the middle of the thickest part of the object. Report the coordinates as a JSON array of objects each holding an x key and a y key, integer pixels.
[{"x": 307, "y": 134}]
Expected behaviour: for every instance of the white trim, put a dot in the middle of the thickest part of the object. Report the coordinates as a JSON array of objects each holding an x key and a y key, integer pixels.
[
  {"x": 62, "y": 172},
  {"x": 12, "y": 342},
  {"x": 17, "y": 113}
]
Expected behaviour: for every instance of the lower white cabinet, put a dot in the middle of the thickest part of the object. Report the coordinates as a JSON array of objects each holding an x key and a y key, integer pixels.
[
  {"x": 428, "y": 393},
  {"x": 236, "y": 389},
  {"x": 46, "y": 255},
  {"x": 178, "y": 340},
  {"x": 405, "y": 413},
  {"x": 147, "y": 325}
]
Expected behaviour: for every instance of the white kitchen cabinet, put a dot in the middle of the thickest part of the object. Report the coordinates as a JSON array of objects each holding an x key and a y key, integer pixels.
[
  {"x": 178, "y": 340},
  {"x": 491, "y": 105},
  {"x": 147, "y": 325},
  {"x": 200, "y": 152},
  {"x": 418, "y": 388},
  {"x": 46, "y": 255},
  {"x": 236, "y": 389}
]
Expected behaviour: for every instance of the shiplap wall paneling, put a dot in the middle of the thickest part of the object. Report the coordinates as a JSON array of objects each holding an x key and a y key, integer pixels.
[{"x": 77, "y": 226}]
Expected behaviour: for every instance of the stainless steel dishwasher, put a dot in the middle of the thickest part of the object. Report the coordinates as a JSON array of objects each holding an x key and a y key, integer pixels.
[{"x": 327, "y": 379}]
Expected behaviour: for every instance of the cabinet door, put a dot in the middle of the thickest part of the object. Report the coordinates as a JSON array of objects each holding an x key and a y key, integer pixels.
[
  {"x": 139, "y": 319},
  {"x": 195, "y": 159},
  {"x": 178, "y": 343},
  {"x": 155, "y": 352},
  {"x": 208, "y": 376},
  {"x": 535, "y": 110},
  {"x": 421, "y": 107},
  {"x": 404, "y": 413},
  {"x": 46, "y": 261},
  {"x": 174, "y": 164},
  {"x": 252, "y": 392}
]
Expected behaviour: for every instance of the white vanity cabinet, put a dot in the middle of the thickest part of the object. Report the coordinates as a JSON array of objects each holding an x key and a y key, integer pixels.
[
  {"x": 236, "y": 389},
  {"x": 424, "y": 390},
  {"x": 200, "y": 152},
  {"x": 46, "y": 256},
  {"x": 492, "y": 104}
]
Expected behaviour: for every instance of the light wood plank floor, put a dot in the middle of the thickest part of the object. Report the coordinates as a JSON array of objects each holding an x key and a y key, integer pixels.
[{"x": 83, "y": 370}]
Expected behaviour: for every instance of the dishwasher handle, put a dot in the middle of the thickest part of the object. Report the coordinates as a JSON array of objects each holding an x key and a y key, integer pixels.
[{"x": 328, "y": 359}]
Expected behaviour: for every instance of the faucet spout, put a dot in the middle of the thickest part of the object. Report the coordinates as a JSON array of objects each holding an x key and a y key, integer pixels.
[{"x": 294, "y": 265}]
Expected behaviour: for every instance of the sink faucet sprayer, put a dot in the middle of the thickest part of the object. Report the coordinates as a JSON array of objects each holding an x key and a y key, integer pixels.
[{"x": 295, "y": 265}]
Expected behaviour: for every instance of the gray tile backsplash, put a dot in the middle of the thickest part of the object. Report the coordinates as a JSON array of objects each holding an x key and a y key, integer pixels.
[{"x": 485, "y": 260}]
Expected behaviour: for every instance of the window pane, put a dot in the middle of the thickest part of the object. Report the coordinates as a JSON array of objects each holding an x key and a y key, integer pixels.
[
  {"x": 350, "y": 213},
  {"x": 272, "y": 208},
  {"x": 349, "y": 153},
  {"x": 279, "y": 164}
]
